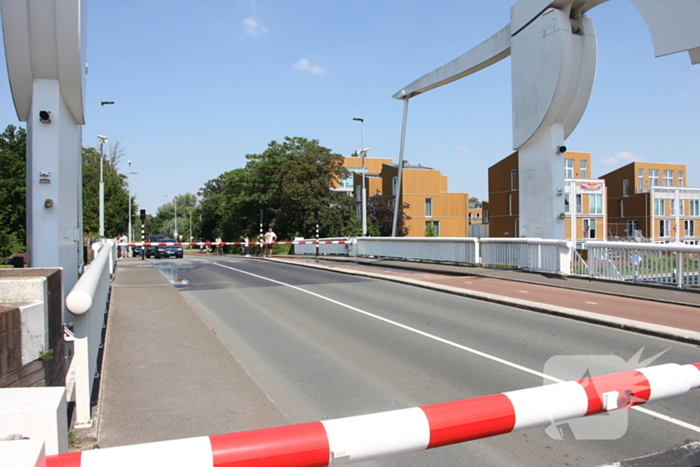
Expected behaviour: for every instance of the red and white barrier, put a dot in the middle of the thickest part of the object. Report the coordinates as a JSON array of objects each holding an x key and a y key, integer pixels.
[
  {"x": 310, "y": 242},
  {"x": 364, "y": 437}
]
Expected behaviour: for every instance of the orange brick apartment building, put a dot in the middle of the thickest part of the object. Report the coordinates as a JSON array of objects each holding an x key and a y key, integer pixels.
[
  {"x": 652, "y": 201},
  {"x": 424, "y": 189},
  {"x": 587, "y": 220}
]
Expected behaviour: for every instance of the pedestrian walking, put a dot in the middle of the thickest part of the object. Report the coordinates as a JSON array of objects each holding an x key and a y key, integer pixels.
[
  {"x": 246, "y": 245},
  {"x": 219, "y": 247},
  {"x": 270, "y": 239}
]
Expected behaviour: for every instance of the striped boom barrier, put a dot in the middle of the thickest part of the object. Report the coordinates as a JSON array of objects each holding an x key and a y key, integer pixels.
[
  {"x": 310, "y": 242},
  {"x": 354, "y": 439}
]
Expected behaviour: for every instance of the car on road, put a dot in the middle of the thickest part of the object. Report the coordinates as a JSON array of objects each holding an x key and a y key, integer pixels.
[
  {"x": 151, "y": 250},
  {"x": 168, "y": 251}
]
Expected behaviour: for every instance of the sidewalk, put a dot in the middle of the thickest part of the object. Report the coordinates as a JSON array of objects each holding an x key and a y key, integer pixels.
[{"x": 165, "y": 374}]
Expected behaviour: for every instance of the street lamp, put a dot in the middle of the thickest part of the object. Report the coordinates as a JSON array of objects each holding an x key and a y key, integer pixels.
[
  {"x": 363, "y": 153},
  {"x": 128, "y": 182},
  {"x": 174, "y": 204},
  {"x": 189, "y": 211},
  {"x": 103, "y": 141}
]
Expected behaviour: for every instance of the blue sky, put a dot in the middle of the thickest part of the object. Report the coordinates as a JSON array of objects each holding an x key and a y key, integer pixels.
[{"x": 198, "y": 85}]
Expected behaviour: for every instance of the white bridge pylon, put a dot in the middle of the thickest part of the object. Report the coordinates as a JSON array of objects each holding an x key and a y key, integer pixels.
[{"x": 554, "y": 57}]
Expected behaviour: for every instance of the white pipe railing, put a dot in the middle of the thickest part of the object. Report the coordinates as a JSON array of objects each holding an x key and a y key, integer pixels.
[
  {"x": 670, "y": 263},
  {"x": 533, "y": 254},
  {"x": 87, "y": 301}
]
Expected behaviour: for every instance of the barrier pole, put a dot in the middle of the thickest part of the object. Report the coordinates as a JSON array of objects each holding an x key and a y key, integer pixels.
[{"x": 365, "y": 437}]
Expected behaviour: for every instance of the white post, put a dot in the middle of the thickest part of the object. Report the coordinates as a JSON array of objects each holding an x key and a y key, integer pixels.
[{"x": 398, "y": 181}]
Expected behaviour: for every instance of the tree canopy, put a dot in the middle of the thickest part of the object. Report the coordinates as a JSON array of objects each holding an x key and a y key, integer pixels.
[
  {"x": 13, "y": 210},
  {"x": 290, "y": 181}
]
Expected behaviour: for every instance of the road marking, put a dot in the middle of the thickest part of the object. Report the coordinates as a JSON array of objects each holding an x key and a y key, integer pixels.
[
  {"x": 456, "y": 345},
  {"x": 467, "y": 282},
  {"x": 592, "y": 303},
  {"x": 523, "y": 291}
]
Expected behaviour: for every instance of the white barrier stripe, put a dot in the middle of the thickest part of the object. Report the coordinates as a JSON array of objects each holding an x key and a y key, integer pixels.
[
  {"x": 548, "y": 404},
  {"x": 354, "y": 439},
  {"x": 339, "y": 242},
  {"x": 666, "y": 381},
  {"x": 190, "y": 452}
]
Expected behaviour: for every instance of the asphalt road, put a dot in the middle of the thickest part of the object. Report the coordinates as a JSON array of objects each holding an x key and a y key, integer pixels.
[{"x": 322, "y": 345}]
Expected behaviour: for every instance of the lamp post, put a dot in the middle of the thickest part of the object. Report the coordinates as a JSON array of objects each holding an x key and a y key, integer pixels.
[
  {"x": 189, "y": 211},
  {"x": 175, "y": 205},
  {"x": 103, "y": 141},
  {"x": 363, "y": 153},
  {"x": 128, "y": 182}
]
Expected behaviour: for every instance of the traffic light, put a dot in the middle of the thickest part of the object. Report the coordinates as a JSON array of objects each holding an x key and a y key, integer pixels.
[{"x": 143, "y": 215}]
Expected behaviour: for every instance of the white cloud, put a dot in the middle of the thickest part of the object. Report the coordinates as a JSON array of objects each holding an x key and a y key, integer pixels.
[
  {"x": 252, "y": 27},
  {"x": 305, "y": 65}
]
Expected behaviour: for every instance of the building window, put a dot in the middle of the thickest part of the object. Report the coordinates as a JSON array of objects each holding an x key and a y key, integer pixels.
[
  {"x": 394, "y": 182},
  {"x": 595, "y": 204},
  {"x": 579, "y": 204},
  {"x": 694, "y": 207},
  {"x": 653, "y": 177},
  {"x": 516, "y": 228},
  {"x": 513, "y": 180},
  {"x": 428, "y": 207},
  {"x": 510, "y": 205},
  {"x": 640, "y": 180},
  {"x": 589, "y": 228},
  {"x": 659, "y": 207},
  {"x": 568, "y": 168},
  {"x": 486, "y": 217},
  {"x": 584, "y": 169},
  {"x": 668, "y": 177},
  {"x": 432, "y": 228},
  {"x": 673, "y": 207},
  {"x": 632, "y": 226},
  {"x": 689, "y": 230},
  {"x": 622, "y": 208},
  {"x": 625, "y": 187},
  {"x": 664, "y": 228},
  {"x": 680, "y": 178},
  {"x": 567, "y": 204}
]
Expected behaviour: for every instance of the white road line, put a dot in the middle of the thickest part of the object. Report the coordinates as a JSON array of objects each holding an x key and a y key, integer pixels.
[
  {"x": 455, "y": 345},
  {"x": 467, "y": 282},
  {"x": 592, "y": 303},
  {"x": 523, "y": 291}
]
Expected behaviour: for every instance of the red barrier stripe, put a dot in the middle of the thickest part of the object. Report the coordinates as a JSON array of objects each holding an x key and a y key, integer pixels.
[
  {"x": 633, "y": 387},
  {"x": 466, "y": 420},
  {"x": 70, "y": 459},
  {"x": 303, "y": 445},
  {"x": 696, "y": 365}
]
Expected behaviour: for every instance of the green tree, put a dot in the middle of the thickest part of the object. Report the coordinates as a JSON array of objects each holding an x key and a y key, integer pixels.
[
  {"x": 290, "y": 181},
  {"x": 13, "y": 199},
  {"x": 380, "y": 211},
  {"x": 166, "y": 216},
  {"x": 430, "y": 230},
  {"x": 116, "y": 194}
]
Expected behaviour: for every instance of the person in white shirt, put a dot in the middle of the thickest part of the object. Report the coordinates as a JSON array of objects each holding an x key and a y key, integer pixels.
[{"x": 270, "y": 239}]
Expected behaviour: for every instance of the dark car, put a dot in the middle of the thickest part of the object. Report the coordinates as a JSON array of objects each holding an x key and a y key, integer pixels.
[
  {"x": 151, "y": 250},
  {"x": 168, "y": 251}
]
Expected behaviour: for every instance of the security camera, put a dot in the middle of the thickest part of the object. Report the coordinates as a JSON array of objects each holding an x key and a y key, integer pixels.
[
  {"x": 103, "y": 139},
  {"x": 44, "y": 116},
  {"x": 561, "y": 149}
]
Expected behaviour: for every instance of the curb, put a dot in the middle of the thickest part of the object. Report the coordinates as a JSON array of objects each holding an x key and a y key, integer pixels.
[{"x": 656, "y": 330}]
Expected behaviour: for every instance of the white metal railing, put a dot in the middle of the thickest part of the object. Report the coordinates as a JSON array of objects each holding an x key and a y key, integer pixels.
[
  {"x": 450, "y": 249},
  {"x": 670, "y": 263},
  {"x": 534, "y": 254},
  {"x": 87, "y": 301}
]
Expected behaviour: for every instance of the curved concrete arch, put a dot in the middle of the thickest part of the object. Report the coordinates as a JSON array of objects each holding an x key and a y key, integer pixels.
[{"x": 45, "y": 40}]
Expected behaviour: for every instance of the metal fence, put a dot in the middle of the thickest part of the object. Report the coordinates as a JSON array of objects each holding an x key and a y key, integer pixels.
[
  {"x": 323, "y": 248},
  {"x": 444, "y": 249},
  {"x": 533, "y": 254},
  {"x": 670, "y": 263}
]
